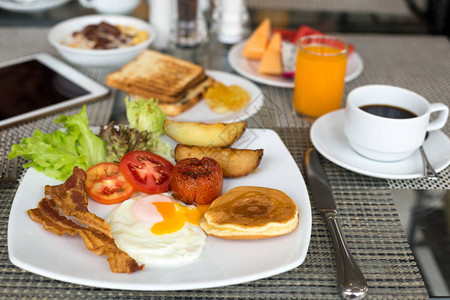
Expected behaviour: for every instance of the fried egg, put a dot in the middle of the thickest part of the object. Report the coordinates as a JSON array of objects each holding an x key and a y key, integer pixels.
[{"x": 157, "y": 230}]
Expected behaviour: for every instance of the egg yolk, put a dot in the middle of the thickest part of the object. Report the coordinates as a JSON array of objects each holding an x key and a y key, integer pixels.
[{"x": 175, "y": 216}]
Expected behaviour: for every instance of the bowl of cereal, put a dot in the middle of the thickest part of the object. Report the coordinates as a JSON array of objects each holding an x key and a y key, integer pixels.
[{"x": 101, "y": 40}]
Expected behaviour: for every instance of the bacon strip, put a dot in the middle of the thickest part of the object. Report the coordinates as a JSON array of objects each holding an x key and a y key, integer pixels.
[{"x": 71, "y": 198}]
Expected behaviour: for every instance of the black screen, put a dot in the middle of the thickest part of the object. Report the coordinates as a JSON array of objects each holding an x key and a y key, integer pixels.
[{"x": 30, "y": 85}]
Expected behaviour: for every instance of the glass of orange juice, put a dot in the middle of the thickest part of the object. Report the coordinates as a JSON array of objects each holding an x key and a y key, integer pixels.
[{"x": 319, "y": 75}]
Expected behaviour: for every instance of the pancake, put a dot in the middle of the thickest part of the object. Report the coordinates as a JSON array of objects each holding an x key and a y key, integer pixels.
[{"x": 250, "y": 212}]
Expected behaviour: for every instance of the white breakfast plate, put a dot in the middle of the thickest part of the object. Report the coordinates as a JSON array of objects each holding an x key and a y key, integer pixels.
[
  {"x": 248, "y": 68},
  {"x": 328, "y": 137},
  {"x": 202, "y": 113},
  {"x": 222, "y": 262},
  {"x": 31, "y": 7}
]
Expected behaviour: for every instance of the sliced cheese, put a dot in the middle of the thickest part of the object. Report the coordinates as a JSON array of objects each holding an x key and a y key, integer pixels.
[
  {"x": 271, "y": 59},
  {"x": 257, "y": 43}
]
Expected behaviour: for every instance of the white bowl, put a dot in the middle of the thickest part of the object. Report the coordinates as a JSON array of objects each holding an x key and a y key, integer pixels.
[{"x": 110, "y": 57}]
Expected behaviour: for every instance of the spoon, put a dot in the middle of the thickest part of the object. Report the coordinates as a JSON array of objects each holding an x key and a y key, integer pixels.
[{"x": 428, "y": 169}]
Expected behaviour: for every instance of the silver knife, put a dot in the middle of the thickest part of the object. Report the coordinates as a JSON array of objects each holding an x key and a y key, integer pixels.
[{"x": 350, "y": 278}]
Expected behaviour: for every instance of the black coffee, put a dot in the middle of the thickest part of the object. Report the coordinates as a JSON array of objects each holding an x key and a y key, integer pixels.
[{"x": 388, "y": 111}]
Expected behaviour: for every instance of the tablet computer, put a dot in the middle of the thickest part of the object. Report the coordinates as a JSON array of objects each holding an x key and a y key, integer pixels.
[{"x": 40, "y": 84}]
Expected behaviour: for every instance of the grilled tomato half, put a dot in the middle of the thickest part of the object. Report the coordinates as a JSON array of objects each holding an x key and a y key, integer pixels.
[{"x": 195, "y": 181}]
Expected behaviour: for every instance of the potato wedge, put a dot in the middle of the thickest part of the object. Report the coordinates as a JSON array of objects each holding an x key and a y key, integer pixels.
[
  {"x": 206, "y": 135},
  {"x": 234, "y": 162}
]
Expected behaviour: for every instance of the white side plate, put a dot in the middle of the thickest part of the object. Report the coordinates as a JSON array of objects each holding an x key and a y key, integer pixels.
[{"x": 248, "y": 68}]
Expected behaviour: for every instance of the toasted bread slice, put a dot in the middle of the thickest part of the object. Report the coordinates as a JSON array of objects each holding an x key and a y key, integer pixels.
[
  {"x": 162, "y": 89},
  {"x": 192, "y": 97},
  {"x": 160, "y": 95},
  {"x": 144, "y": 93},
  {"x": 159, "y": 72}
]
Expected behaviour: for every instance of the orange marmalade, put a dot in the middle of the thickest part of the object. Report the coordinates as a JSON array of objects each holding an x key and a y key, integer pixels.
[{"x": 221, "y": 98}]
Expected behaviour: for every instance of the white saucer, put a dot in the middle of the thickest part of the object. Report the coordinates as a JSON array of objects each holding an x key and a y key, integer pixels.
[
  {"x": 328, "y": 137},
  {"x": 248, "y": 68}
]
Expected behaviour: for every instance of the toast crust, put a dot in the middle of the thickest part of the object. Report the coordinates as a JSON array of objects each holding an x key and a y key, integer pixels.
[
  {"x": 192, "y": 97},
  {"x": 154, "y": 74}
]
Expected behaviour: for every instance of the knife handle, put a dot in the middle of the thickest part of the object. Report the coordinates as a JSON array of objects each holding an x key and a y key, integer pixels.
[{"x": 352, "y": 281}]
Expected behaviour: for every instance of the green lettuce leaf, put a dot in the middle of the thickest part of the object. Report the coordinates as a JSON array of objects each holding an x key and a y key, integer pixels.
[
  {"x": 57, "y": 153},
  {"x": 145, "y": 114},
  {"x": 87, "y": 143}
]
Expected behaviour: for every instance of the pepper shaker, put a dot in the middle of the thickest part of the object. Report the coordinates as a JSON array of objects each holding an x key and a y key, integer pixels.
[{"x": 190, "y": 25}]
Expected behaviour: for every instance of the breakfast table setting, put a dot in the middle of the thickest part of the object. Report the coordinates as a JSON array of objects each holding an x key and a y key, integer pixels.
[{"x": 304, "y": 264}]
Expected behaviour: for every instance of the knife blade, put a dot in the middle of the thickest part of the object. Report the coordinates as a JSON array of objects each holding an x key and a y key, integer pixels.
[{"x": 352, "y": 282}]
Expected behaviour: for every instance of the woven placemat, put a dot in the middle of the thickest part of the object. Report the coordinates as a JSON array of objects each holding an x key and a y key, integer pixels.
[{"x": 369, "y": 220}]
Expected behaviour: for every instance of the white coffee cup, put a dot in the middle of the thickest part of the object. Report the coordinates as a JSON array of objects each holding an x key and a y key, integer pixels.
[
  {"x": 119, "y": 7},
  {"x": 384, "y": 138}
]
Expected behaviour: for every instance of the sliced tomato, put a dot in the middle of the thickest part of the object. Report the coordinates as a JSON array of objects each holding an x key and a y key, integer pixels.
[
  {"x": 146, "y": 171},
  {"x": 106, "y": 184}
]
